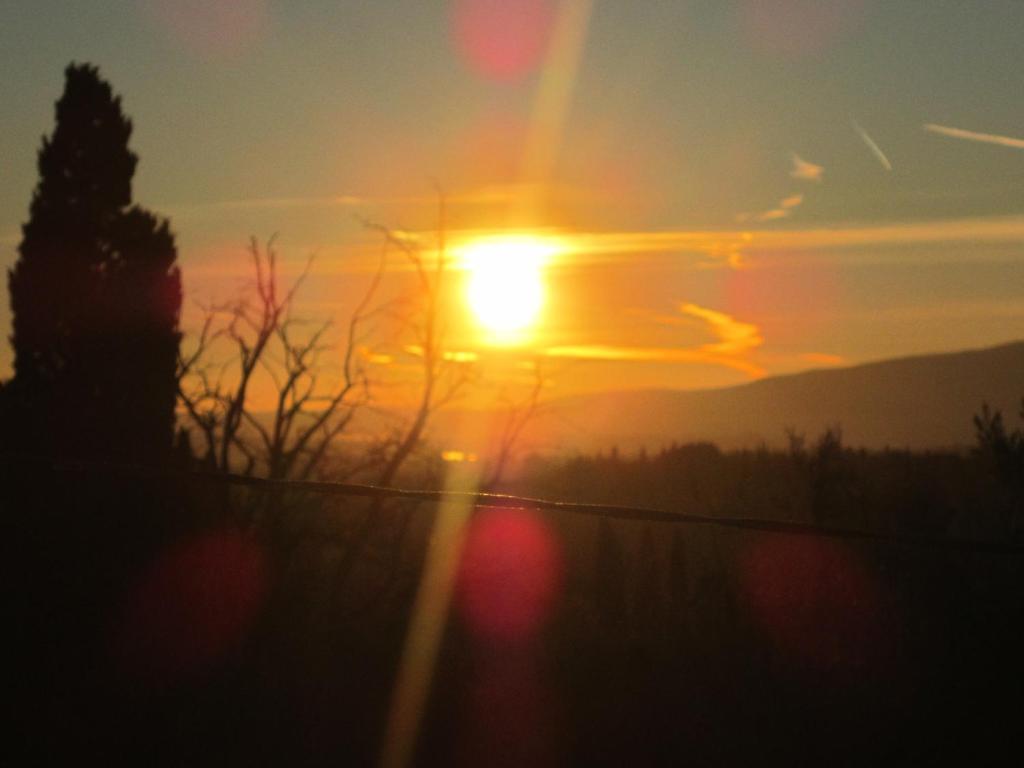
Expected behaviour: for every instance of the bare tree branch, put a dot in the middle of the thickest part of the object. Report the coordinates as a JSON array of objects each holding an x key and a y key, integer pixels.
[{"x": 268, "y": 339}]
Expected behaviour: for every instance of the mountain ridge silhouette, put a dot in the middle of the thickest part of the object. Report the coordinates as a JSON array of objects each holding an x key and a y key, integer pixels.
[{"x": 919, "y": 402}]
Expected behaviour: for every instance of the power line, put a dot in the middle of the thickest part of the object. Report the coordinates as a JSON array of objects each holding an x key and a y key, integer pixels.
[{"x": 508, "y": 501}]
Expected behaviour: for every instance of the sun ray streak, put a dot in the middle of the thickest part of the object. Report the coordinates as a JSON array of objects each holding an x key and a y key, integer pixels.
[
  {"x": 429, "y": 617},
  {"x": 432, "y": 603},
  {"x": 554, "y": 95}
]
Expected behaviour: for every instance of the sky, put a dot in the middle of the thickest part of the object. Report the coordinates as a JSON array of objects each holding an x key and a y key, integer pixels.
[{"x": 739, "y": 188}]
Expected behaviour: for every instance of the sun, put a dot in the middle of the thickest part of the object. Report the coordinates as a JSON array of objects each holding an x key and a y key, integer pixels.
[{"x": 505, "y": 287}]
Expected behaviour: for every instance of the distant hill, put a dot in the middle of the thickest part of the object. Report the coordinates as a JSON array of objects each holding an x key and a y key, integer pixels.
[{"x": 915, "y": 402}]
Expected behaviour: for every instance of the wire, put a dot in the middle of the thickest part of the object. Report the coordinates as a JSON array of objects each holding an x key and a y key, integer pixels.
[{"x": 491, "y": 500}]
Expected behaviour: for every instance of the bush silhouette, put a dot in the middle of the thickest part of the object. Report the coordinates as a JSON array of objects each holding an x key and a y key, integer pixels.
[{"x": 95, "y": 296}]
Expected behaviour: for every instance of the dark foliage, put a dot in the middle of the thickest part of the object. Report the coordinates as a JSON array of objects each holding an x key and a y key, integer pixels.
[
  {"x": 926, "y": 494},
  {"x": 95, "y": 296},
  {"x": 1002, "y": 447},
  {"x": 178, "y": 636}
]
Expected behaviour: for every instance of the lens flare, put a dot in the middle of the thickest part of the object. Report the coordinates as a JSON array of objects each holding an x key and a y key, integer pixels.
[
  {"x": 818, "y": 602},
  {"x": 503, "y": 40},
  {"x": 510, "y": 576},
  {"x": 192, "y": 606},
  {"x": 792, "y": 302}
]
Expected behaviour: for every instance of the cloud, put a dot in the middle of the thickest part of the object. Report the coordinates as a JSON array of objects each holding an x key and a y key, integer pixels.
[
  {"x": 734, "y": 341},
  {"x": 483, "y": 196},
  {"x": 262, "y": 203},
  {"x": 375, "y": 358},
  {"x": 782, "y": 211},
  {"x": 734, "y": 337},
  {"x": 452, "y": 356},
  {"x": 773, "y": 214},
  {"x": 720, "y": 243},
  {"x": 707, "y": 249},
  {"x": 985, "y": 138},
  {"x": 605, "y": 352},
  {"x": 875, "y": 149},
  {"x": 802, "y": 170},
  {"x": 806, "y": 171}
]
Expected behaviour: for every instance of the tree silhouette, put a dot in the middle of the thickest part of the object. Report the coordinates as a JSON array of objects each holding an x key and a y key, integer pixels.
[
  {"x": 610, "y": 581},
  {"x": 95, "y": 295},
  {"x": 1001, "y": 446},
  {"x": 291, "y": 439}
]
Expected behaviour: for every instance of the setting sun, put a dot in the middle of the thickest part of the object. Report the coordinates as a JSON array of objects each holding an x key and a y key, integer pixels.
[{"x": 505, "y": 289}]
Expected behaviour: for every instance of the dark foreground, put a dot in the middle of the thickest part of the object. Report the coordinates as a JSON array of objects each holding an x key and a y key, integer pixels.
[{"x": 183, "y": 623}]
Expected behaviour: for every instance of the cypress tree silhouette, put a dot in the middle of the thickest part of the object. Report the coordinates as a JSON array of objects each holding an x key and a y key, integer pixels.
[{"x": 95, "y": 295}]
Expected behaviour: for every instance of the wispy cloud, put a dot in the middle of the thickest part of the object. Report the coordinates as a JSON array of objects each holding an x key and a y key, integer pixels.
[
  {"x": 697, "y": 249},
  {"x": 1002, "y": 229},
  {"x": 374, "y": 358},
  {"x": 806, "y": 171},
  {"x": 782, "y": 211},
  {"x": 985, "y": 138},
  {"x": 734, "y": 336},
  {"x": 452, "y": 356},
  {"x": 605, "y": 352},
  {"x": 262, "y": 203},
  {"x": 773, "y": 215},
  {"x": 875, "y": 149},
  {"x": 482, "y": 196},
  {"x": 734, "y": 341}
]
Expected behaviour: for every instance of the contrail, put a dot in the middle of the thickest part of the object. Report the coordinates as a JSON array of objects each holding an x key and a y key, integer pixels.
[
  {"x": 987, "y": 138},
  {"x": 873, "y": 146}
]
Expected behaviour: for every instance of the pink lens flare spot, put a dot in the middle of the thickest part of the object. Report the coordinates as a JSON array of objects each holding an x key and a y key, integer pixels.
[
  {"x": 797, "y": 29},
  {"x": 192, "y": 606},
  {"x": 503, "y": 40},
  {"x": 792, "y": 297},
  {"x": 213, "y": 28},
  {"x": 817, "y": 601},
  {"x": 510, "y": 575}
]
